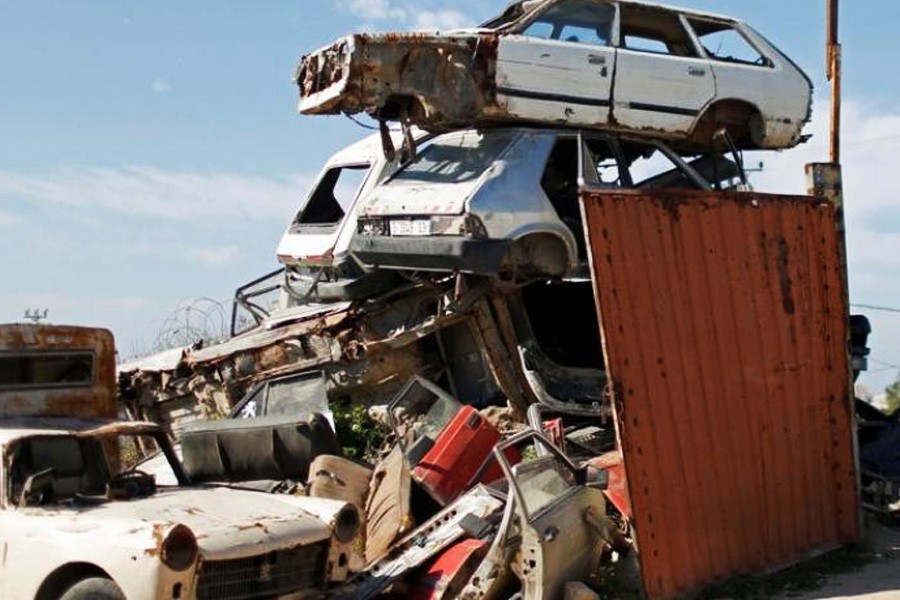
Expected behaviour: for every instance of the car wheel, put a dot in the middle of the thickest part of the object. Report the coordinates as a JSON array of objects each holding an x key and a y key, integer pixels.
[{"x": 94, "y": 588}]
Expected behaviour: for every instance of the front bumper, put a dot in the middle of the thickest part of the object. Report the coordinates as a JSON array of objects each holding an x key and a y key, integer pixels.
[{"x": 431, "y": 253}]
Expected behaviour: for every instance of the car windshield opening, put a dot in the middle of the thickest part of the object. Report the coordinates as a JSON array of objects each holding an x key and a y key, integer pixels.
[
  {"x": 333, "y": 195},
  {"x": 59, "y": 469},
  {"x": 512, "y": 13}
]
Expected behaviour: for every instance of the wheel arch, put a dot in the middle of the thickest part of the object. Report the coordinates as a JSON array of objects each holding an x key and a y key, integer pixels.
[
  {"x": 548, "y": 250},
  {"x": 742, "y": 118},
  {"x": 66, "y": 575}
]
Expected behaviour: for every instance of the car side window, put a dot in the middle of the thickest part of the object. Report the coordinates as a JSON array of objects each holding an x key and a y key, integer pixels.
[
  {"x": 651, "y": 168},
  {"x": 654, "y": 30},
  {"x": 334, "y": 194},
  {"x": 576, "y": 21},
  {"x": 724, "y": 43}
]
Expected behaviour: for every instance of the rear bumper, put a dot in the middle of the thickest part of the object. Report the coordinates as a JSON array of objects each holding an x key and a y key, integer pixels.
[
  {"x": 311, "y": 290},
  {"x": 433, "y": 253}
]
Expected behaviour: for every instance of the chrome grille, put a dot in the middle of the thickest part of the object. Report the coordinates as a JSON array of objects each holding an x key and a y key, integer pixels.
[{"x": 265, "y": 575}]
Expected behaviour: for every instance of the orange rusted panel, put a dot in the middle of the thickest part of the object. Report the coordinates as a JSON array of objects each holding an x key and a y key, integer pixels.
[
  {"x": 39, "y": 377},
  {"x": 725, "y": 326}
]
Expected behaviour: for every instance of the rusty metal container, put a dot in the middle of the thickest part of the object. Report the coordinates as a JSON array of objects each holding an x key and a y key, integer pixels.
[{"x": 725, "y": 328}]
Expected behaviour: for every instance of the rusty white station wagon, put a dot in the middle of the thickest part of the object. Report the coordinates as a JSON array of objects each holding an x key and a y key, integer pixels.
[
  {"x": 78, "y": 523},
  {"x": 625, "y": 66}
]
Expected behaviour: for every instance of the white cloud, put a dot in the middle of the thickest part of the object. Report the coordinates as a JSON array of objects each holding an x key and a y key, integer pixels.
[
  {"x": 441, "y": 20},
  {"x": 213, "y": 258},
  {"x": 168, "y": 194},
  {"x": 161, "y": 86},
  {"x": 7, "y": 218},
  {"x": 377, "y": 10},
  {"x": 405, "y": 13}
]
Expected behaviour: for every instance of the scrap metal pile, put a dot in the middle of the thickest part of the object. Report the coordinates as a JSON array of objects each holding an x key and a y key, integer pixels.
[
  {"x": 496, "y": 459},
  {"x": 445, "y": 319}
]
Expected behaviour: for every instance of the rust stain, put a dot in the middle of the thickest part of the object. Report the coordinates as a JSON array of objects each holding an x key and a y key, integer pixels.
[
  {"x": 784, "y": 276},
  {"x": 159, "y": 537},
  {"x": 732, "y": 397}
]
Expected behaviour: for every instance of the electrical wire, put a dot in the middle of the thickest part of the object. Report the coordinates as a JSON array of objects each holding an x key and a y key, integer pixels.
[{"x": 878, "y": 308}]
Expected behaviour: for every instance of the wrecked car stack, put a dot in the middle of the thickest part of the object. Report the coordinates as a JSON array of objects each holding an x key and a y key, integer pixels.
[{"x": 556, "y": 334}]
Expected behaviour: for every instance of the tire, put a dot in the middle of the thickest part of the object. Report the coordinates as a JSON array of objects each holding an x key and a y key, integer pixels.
[{"x": 93, "y": 588}]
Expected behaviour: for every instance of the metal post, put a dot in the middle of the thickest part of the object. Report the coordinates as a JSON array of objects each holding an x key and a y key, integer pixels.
[{"x": 833, "y": 71}]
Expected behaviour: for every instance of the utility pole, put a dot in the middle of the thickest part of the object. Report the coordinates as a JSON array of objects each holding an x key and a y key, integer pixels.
[
  {"x": 833, "y": 71},
  {"x": 825, "y": 179}
]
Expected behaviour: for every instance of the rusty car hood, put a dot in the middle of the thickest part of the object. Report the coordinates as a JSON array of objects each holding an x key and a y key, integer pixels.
[{"x": 228, "y": 523}]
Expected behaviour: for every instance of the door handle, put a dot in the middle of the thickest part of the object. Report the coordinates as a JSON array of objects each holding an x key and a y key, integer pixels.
[
  {"x": 596, "y": 59},
  {"x": 696, "y": 71},
  {"x": 551, "y": 533}
]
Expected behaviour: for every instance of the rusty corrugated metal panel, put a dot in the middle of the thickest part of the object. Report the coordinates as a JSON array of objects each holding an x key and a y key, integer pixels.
[
  {"x": 94, "y": 401},
  {"x": 724, "y": 323}
]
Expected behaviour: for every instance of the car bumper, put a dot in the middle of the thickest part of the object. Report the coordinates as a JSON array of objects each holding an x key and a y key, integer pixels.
[
  {"x": 480, "y": 257},
  {"x": 308, "y": 289}
]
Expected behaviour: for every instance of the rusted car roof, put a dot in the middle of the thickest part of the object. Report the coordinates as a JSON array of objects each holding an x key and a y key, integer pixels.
[{"x": 725, "y": 329}]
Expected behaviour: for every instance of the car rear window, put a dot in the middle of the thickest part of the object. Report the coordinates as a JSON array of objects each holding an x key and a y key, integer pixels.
[
  {"x": 50, "y": 369},
  {"x": 455, "y": 158},
  {"x": 724, "y": 43}
]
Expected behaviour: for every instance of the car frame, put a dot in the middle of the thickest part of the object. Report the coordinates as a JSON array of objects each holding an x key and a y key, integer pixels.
[{"x": 646, "y": 69}]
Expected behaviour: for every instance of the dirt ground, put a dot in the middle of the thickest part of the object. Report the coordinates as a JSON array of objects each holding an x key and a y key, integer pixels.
[{"x": 877, "y": 580}]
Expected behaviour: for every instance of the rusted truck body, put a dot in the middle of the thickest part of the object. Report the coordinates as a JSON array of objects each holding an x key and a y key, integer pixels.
[
  {"x": 77, "y": 521},
  {"x": 633, "y": 67}
]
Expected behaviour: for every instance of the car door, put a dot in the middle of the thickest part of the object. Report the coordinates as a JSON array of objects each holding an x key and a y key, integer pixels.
[
  {"x": 662, "y": 80},
  {"x": 559, "y": 65}
]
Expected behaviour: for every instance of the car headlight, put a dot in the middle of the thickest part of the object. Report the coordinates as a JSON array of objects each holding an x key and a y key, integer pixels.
[
  {"x": 179, "y": 549},
  {"x": 346, "y": 524}
]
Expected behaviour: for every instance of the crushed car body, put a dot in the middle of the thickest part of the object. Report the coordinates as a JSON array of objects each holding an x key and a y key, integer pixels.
[{"x": 625, "y": 66}]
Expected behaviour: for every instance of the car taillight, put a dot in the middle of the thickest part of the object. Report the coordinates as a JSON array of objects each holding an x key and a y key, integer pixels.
[
  {"x": 179, "y": 549},
  {"x": 372, "y": 226}
]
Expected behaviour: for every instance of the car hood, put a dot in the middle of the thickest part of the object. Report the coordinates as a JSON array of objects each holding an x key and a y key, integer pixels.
[{"x": 227, "y": 523}]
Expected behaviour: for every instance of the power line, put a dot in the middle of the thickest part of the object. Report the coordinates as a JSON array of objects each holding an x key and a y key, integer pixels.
[
  {"x": 878, "y": 308},
  {"x": 887, "y": 365}
]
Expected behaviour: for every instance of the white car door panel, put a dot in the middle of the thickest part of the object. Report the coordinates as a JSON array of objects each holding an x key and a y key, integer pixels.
[
  {"x": 660, "y": 91},
  {"x": 555, "y": 80}
]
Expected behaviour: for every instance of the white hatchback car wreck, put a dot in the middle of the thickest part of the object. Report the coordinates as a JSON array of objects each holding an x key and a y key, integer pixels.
[
  {"x": 504, "y": 201},
  {"x": 77, "y": 522},
  {"x": 626, "y": 66}
]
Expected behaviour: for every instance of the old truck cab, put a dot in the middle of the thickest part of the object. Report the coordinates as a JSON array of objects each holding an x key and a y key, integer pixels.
[{"x": 78, "y": 521}]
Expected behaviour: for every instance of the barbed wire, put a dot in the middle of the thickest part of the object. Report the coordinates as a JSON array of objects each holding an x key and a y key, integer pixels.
[{"x": 198, "y": 319}]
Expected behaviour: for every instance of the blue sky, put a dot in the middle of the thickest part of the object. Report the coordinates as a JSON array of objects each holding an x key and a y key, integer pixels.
[{"x": 151, "y": 151}]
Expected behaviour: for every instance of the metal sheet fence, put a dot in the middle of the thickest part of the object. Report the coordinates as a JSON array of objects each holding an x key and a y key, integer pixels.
[{"x": 724, "y": 322}]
